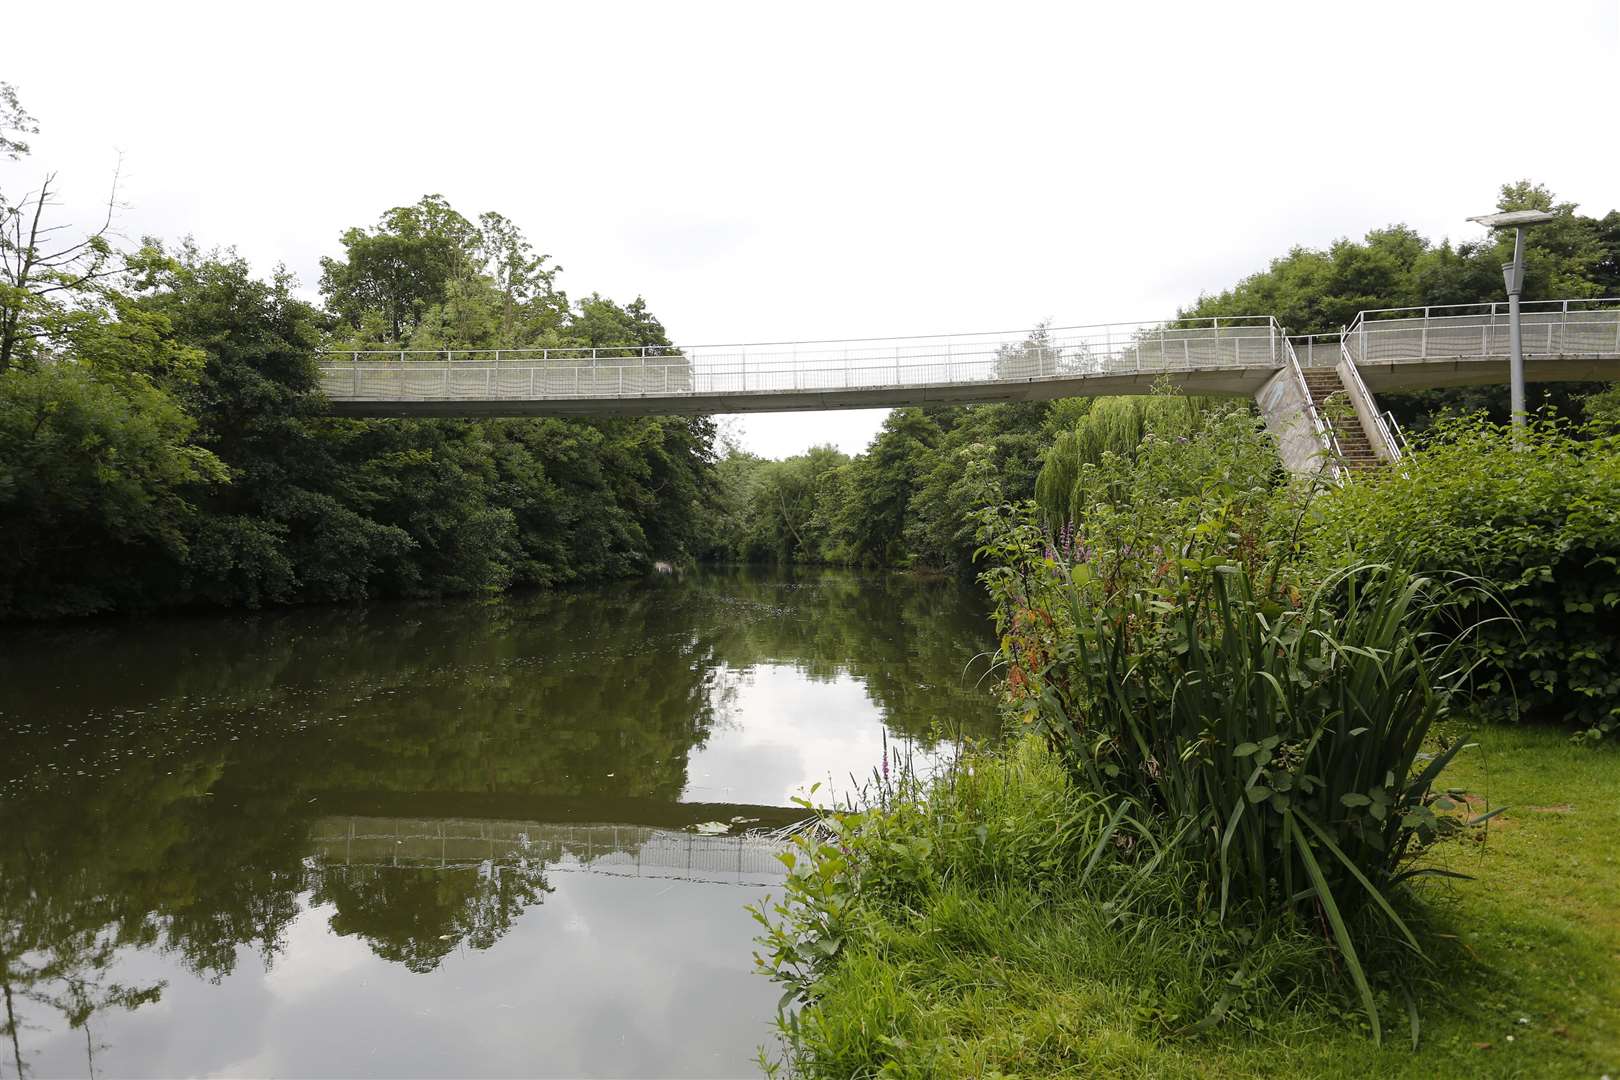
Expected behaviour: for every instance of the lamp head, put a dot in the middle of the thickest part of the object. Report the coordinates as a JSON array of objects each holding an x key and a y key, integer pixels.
[{"x": 1513, "y": 219}]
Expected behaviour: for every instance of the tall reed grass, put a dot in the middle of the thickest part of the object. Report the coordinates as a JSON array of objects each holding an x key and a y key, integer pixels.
[{"x": 1281, "y": 741}]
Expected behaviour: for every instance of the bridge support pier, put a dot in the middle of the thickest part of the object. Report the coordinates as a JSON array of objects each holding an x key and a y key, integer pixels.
[{"x": 1282, "y": 402}]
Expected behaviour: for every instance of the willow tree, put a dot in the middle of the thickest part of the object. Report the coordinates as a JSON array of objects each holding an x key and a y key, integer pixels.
[{"x": 1110, "y": 426}]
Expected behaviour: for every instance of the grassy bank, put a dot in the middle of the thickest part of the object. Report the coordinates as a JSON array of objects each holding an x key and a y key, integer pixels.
[{"x": 961, "y": 933}]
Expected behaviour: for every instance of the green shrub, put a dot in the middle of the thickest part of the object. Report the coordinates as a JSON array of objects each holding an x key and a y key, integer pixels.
[
  {"x": 1279, "y": 746},
  {"x": 1540, "y": 523},
  {"x": 1263, "y": 719}
]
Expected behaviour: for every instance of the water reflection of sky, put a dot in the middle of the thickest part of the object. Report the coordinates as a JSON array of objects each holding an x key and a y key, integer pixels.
[
  {"x": 609, "y": 977},
  {"x": 784, "y": 732}
]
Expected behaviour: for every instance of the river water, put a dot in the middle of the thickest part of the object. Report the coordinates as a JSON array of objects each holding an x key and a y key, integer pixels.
[{"x": 446, "y": 839}]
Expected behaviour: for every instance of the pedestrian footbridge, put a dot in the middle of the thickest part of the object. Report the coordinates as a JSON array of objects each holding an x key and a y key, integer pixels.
[{"x": 1390, "y": 350}]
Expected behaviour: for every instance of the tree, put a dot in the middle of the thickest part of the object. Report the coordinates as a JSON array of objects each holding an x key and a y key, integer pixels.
[
  {"x": 987, "y": 454},
  {"x": 522, "y": 278},
  {"x": 49, "y": 283},
  {"x": 14, "y": 121},
  {"x": 94, "y": 486},
  {"x": 401, "y": 267},
  {"x": 288, "y": 526},
  {"x": 881, "y": 484}
]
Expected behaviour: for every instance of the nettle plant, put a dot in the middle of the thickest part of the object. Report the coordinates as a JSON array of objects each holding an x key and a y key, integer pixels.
[{"x": 1274, "y": 728}]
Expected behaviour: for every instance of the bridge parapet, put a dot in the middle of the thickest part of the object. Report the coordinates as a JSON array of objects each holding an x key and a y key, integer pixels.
[
  {"x": 1561, "y": 329},
  {"x": 828, "y": 367},
  {"x": 1397, "y": 349}
]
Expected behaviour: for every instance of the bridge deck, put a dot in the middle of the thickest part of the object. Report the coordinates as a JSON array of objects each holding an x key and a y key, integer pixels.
[
  {"x": 1231, "y": 356},
  {"x": 1394, "y": 350}
]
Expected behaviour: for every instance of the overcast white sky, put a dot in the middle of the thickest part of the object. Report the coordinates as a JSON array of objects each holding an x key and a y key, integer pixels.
[{"x": 784, "y": 171}]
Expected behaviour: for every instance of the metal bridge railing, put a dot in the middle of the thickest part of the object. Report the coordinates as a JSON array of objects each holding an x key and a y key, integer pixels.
[
  {"x": 787, "y": 367},
  {"x": 1551, "y": 328},
  {"x": 1367, "y": 406},
  {"x": 1317, "y": 350}
]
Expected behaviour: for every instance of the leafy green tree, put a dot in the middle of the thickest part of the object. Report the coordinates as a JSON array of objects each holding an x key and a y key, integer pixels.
[
  {"x": 785, "y": 520},
  {"x": 1112, "y": 426},
  {"x": 288, "y": 527},
  {"x": 401, "y": 267},
  {"x": 51, "y": 285},
  {"x": 986, "y": 454},
  {"x": 94, "y": 485},
  {"x": 522, "y": 279},
  {"x": 881, "y": 483}
]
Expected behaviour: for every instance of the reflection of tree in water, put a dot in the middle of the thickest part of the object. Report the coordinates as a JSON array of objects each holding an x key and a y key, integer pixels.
[
  {"x": 917, "y": 644},
  {"x": 418, "y": 915},
  {"x": 207, "y": 746},
  {"x": 57, "y": 950}
]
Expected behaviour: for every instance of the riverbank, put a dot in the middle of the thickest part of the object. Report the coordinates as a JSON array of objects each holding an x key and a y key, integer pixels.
[{"x": 972, "y": 943}]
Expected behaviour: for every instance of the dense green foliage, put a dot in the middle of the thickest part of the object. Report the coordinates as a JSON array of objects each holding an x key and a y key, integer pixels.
[
  {"x": 909, "y": 500},
  {"x": 1312, "y": 291},
  {"x": 162, "y": 439},
  {"x": 1107, "y": 435},
  {"x": 1541, "y": 523},
  {"x": 1184, "y": 661}
]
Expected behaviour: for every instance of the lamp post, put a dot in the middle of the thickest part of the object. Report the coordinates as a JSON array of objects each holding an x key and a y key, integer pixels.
[{"x": 1513, "y": 276}]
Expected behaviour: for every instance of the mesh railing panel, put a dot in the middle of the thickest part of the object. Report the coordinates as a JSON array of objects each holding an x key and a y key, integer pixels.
[{"x": 1475, "y": 336}]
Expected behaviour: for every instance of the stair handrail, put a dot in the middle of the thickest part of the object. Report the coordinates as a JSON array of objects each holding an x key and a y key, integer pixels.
[
  {"x": 1324, "y": 431},
  {"x": 1360, "y": 387},
  {"x": 1395, "y": 424}
]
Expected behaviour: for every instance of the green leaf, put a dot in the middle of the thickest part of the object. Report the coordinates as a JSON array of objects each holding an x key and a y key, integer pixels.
[
  {"x": 1355, "y": 872},
  {"x": 1341, "y": 933}
]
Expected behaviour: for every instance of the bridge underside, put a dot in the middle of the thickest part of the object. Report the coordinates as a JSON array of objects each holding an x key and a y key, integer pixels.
[
  {"x": 1435, "y": 373},
  {"x": 1222, "y": 381}
]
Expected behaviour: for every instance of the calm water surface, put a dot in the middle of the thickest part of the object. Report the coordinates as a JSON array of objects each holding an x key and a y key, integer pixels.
[{"x": 441, "y": 839}]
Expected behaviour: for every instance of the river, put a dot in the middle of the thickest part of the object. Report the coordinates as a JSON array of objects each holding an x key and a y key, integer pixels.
[{"x": 441, "y": 839}]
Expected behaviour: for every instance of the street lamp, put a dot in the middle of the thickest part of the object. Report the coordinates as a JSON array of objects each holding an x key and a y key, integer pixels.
[{"x": 1513, "y": 275}]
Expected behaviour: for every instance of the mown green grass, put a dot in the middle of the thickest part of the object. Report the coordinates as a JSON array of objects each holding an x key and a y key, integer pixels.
[{"x": 999, "y": 976}]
